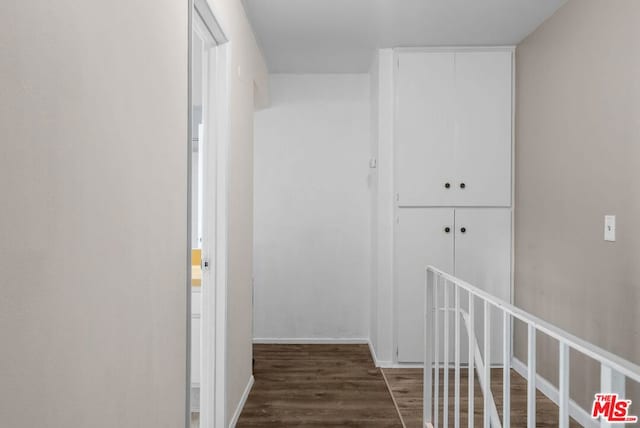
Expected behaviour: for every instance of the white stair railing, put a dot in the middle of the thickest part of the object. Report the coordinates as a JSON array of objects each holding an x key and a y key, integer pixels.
[
  {"x": 615, "y": 371},
  {"x": 476, "y": 356}
]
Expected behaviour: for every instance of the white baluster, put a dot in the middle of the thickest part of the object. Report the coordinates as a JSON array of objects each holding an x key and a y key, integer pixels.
[
  {"x": 487, "y": 364},
  {"x": 506, "y": 370},
  {"x": 471, "y": 369},
  {"x": 436, "y": 352},
  {"x": 456, "y": 406},
  {"x": 563, "y": 386},
  {"x": 428, "y": 348},
  {"x": 611, "y": 382},
  {"x": 445, "y": 380},
  {"x": 531, "y": 378}
]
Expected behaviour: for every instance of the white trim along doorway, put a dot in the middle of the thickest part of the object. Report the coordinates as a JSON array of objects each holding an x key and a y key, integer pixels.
[{"x": 207, "y": 231}]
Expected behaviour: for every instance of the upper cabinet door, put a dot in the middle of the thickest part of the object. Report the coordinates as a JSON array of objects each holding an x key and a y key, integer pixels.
[
  {"x": 424, "y": 128},
  {"x": 482, "y": 140}
]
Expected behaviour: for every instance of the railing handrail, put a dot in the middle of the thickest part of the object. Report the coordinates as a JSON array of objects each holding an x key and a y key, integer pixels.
[{"x": 615, "y": 362}]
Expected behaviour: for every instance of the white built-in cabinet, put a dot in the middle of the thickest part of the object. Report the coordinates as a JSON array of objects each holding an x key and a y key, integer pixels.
[
  {"x": 473, "y": 244},
  {"x": 453, "y": 169},
  {"x": 453, "y": 128}
]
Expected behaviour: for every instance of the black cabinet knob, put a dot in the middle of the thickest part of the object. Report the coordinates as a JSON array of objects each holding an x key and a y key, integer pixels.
[
  {"x": 447, "y": 185},
  {"x": 463, "y": 229},
  {"x": 462, "y": 185},
  {"x": 447, "y": 229}
]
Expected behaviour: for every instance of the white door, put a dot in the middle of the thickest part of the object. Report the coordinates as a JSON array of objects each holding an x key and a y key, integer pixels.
[
  {"x": 422, "y": 239},
  {"x": 483, "y": 259},
  {"x": 204, "y": 202},
  {"x": 483, "y": 128},
  {"x": 424, "y": 135}
]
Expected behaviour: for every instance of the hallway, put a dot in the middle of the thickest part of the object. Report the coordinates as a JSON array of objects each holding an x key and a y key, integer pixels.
[
  {"x": 317, "y": 386},
  {"x": 291, "y": 213},
  {"x": 339, "y": 385}
]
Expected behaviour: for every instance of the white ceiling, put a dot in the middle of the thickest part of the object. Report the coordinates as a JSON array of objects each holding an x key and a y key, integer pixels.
[{"x": 340, "y": 36}]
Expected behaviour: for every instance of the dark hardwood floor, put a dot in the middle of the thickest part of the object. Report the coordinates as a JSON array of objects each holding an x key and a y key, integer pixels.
[
  {"x": 339, "y": 386},
  {"x": 406, "y": 386},
  {"x": 317, "y": 386}
]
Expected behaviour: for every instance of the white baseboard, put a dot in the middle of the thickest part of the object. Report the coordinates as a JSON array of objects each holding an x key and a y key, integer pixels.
[
  {"x": 373, "y": 353},
  {"x": 404, "y": 366},
  {"x": 382, "y": 364},
  {"x": 547, "y": 388},
  {"x": 376, "y": 361},
  {"x": 310, "y": 341},
  {"x": 243, "y": 401}
]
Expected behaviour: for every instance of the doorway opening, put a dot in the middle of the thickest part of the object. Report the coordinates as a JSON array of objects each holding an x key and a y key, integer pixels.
[{"x": 207, "y": 220}]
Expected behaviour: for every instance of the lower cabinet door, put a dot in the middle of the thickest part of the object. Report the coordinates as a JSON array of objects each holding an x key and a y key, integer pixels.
[
  {"x": 421, "y": 240},
  {"x": 483, "y": 259}
]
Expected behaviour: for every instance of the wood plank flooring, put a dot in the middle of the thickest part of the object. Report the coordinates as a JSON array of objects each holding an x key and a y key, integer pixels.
[
  {"x": 339, "y": 386},
  {"x": 406, "y": 387},
  {"x": 317, "y": 386}
]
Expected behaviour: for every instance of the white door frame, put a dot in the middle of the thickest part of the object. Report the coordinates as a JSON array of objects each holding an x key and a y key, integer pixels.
[
  {"x": 217, "y": 367},
  {"x": 214, "y": 280}
]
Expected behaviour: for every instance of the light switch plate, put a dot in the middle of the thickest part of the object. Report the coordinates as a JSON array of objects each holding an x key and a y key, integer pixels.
[{"x": 609, "y": 228}]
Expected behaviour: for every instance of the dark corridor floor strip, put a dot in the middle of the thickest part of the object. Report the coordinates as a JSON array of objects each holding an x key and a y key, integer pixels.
[{"x": 317, "y": 386}]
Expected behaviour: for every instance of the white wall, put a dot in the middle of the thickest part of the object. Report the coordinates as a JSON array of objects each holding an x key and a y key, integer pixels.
[
  {"x": 93, "y": 230},
  {"x": 312, "y": 208},
  {"x": 248, "y": 87},
  {"x": 382, "y": 206},
  {"x": 374, "y": 106}
]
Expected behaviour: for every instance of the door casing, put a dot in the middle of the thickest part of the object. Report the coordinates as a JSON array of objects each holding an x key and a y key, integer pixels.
[{"x": 214, "y": 281}]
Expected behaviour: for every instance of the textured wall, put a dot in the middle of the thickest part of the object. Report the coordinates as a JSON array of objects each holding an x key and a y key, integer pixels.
[
  {"x": 93, "y": 230},
  {"x": 577, "y": 159}
]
